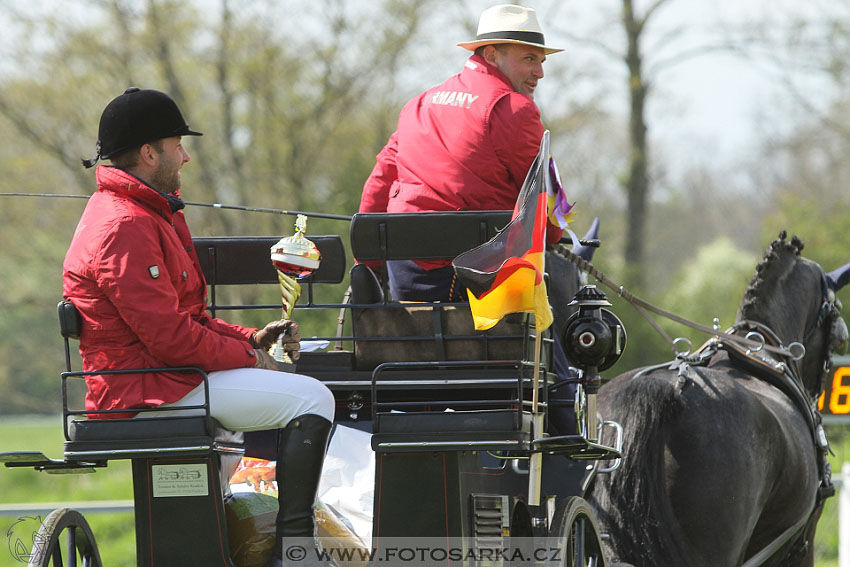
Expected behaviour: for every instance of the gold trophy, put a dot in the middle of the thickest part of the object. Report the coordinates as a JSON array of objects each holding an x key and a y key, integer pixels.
[{"x": 294, "y": 257}]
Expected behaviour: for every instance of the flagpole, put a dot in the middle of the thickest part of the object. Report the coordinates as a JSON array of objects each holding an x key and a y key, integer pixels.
[{"x": 535, "y": 464}]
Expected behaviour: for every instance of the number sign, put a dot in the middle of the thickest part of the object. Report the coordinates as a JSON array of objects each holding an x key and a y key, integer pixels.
[{"x": 834, "y": 402}]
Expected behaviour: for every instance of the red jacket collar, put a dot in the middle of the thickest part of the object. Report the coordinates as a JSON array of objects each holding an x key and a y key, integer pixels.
[
  {"x": 119, "y": 181},
  {"x": 477, "y": 64}
]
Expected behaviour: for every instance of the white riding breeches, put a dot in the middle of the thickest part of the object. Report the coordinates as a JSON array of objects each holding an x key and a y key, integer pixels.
[{"x": 253, "y": 399}]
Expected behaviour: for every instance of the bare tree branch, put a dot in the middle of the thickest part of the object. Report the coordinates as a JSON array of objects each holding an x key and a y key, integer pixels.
[{"x": 46, "y": 143}]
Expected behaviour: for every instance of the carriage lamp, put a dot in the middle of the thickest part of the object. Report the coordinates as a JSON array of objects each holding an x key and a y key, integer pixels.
[
  {"x": 593, "y": 340},
  {"x": 294, "y": 257}
]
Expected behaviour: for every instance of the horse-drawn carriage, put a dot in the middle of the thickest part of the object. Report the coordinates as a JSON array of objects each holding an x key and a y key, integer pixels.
[
  {"x": 480, "y": 451},
  {"x": 462, "y": 459}
]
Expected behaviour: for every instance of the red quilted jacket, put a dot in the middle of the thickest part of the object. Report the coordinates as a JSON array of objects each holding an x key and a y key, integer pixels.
[{"x": 134, "y": 276}]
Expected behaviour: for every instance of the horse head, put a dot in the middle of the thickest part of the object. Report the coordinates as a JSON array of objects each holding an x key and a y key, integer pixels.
[{"x": 792, "y": 296}]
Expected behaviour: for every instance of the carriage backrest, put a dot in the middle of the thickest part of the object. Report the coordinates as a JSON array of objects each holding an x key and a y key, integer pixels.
[
  {"x": 379, "y": 237},
  {"x": 240, "y": 260}
]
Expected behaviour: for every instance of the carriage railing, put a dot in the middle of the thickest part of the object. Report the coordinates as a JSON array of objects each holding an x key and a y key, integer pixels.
[
  {"x": 436, "y": 351},
  {"x": 377, "y": 238},
  {"x": 458, "y": 405}
]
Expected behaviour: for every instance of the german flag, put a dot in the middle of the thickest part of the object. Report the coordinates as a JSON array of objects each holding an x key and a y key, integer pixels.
[{"x": 505, "y": 275}]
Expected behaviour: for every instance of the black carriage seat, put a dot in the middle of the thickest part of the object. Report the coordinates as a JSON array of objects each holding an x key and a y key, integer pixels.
[
  {"x": 423, "y": 332},
  {"x": 224, "y": 261},
  {"x": 95, "y": 440},
  {"x": 438, "y": 384}
]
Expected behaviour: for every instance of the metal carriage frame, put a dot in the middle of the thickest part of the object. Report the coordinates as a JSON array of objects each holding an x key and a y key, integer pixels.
[{"x": 454, "y": 437}]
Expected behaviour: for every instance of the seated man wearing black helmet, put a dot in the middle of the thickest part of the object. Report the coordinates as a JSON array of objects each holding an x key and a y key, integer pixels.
[{"x": 132, "y": 273}]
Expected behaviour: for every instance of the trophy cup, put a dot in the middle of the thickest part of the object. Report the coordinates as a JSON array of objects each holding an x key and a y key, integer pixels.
[{"x": 294, "y": 257}]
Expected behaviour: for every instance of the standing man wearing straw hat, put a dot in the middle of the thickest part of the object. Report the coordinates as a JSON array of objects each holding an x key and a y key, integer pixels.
[{"x": 466, "y": 144}]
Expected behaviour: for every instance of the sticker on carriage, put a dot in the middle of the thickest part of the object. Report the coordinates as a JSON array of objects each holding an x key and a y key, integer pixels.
[{"x": 180, "y": 480}]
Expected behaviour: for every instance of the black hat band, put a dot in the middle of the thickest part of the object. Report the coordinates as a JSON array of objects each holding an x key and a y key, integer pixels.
[{"x": 526, "y": 36}]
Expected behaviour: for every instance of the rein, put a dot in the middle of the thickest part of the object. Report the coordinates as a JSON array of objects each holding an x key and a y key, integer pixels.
[{"x": 753, "y": 342}]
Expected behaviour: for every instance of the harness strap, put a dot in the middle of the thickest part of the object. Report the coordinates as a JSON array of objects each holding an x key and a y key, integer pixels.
[{"x": 770, "y": 549}]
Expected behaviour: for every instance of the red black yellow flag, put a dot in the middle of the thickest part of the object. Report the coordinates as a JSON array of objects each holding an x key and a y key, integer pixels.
[{"x": 505, "y": 275}]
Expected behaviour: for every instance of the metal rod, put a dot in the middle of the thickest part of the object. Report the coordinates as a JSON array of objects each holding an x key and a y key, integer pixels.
[
  {"x": 590, "y": 417},
  {"x": 535, "y": 465}
]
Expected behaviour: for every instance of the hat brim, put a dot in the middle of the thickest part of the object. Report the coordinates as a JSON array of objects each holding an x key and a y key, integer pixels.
[
  {"x": 186, "y": 132},
  {"x": 473, "y": 45}
]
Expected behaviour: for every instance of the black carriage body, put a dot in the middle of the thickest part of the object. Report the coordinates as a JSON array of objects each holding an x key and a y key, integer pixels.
[
  {"x": 466, "y": 495},
  {"x": 452, "y": 431},
  {"x": 187, "y": 520}
]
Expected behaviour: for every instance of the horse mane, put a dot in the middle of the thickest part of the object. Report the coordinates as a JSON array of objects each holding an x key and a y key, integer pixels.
[{"x": 769, "y": 273}]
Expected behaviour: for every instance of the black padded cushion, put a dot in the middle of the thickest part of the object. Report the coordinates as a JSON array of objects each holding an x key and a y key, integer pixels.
[
  {"x": 138, "y": 429},
  {"x": 69, "y": 320}
]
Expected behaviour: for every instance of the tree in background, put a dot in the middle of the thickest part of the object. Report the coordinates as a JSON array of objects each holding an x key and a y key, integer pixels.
[
  {"x": 291, "y": 111},
  {"x": 294, "y": 111}
]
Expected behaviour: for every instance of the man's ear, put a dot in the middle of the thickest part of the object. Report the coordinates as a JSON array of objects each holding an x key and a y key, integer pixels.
[
  {"x": 489, "y": 54},
  {"x": 148, "y": 154}
]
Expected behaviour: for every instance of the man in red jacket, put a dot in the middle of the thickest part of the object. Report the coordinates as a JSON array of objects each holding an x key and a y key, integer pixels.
[
  {"x": 133, "y": 274},
  {"x": 466, "y": 144}
]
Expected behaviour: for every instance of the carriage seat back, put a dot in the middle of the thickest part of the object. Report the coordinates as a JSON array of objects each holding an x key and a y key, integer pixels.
[
  {"x": 379, "y": 237},
  {"x": 240, "y": 260}
]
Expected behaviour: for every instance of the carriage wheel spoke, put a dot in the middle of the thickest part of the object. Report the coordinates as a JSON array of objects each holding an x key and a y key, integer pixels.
[
  {"x": 72, "y": 546},
  {"x": 57, "y": 557},
  {"x": 579, "y": 543}
]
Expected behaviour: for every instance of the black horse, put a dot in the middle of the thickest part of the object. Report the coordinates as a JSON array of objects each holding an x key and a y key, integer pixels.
[{"x": 722, "y": 463}]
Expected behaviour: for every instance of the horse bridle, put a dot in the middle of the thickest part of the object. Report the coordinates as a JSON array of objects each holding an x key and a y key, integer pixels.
[{"x": 830, "y": 310}]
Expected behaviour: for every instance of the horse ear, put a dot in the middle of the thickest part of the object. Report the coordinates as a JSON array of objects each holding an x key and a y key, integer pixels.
[
  {"x": 839, "y": 278},
  {"x": 592, "y": 233}
]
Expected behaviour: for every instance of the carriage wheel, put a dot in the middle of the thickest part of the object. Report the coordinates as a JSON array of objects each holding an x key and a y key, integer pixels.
[
  {"x": 576, "y": 535},
  {"x": 77, "y": 547}
]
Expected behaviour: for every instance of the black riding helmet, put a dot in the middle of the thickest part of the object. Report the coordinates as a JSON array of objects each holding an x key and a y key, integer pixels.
[{"x": 137, "y": 117}]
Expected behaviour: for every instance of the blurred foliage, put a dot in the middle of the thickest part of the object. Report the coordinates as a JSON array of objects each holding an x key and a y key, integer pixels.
[
  {"x": 293, "y": 114},
  {"x": 294, "y": 111}
]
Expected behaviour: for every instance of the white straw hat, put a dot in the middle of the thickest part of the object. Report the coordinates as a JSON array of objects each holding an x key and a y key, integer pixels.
[{"x": 508, "y": 23}]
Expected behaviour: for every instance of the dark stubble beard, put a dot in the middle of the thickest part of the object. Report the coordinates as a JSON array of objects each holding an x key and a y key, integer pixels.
[{"x": 166, "y": 178}]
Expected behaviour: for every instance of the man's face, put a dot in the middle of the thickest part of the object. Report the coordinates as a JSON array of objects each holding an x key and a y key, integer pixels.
[
  {"x": 521, "y": 64},
  {"x": 166, "y": 177}
]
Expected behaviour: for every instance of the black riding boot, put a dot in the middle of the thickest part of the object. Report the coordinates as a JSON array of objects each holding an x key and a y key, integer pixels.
[{"x": 301, "y": 451}]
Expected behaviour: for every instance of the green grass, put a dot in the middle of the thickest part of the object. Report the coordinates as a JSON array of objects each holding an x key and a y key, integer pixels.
[{"x": 114, "y": 533}]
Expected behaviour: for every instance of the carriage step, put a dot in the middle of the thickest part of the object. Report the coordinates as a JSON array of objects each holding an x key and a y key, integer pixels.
[
  {"x": 41, "y": 462},
  {"x": 576, "y": 447}
]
